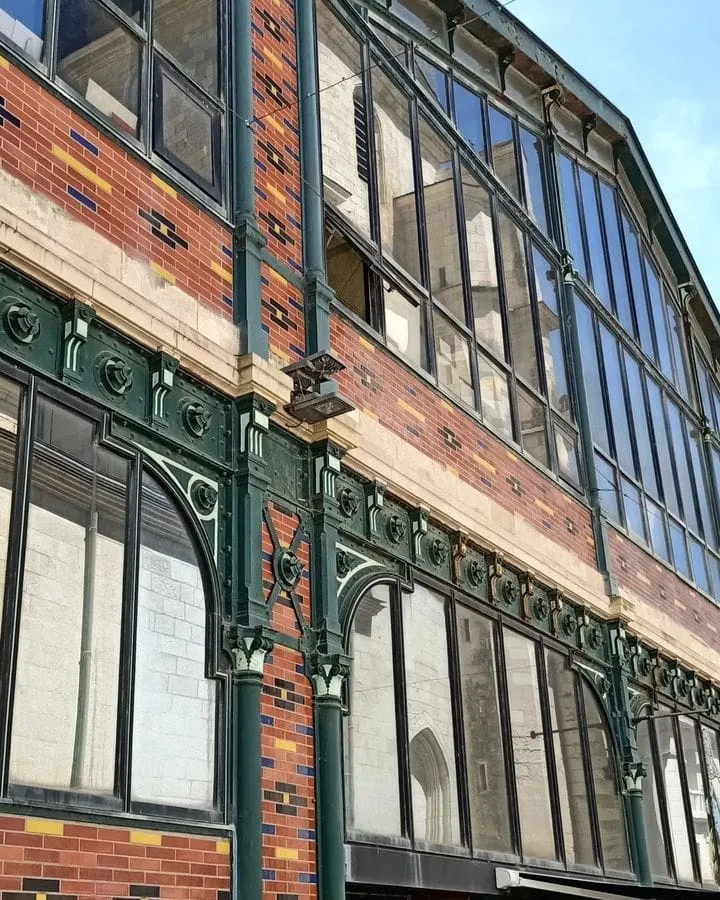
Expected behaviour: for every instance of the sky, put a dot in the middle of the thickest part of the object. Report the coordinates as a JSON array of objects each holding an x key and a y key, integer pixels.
[{"x": 658, "y": 61}]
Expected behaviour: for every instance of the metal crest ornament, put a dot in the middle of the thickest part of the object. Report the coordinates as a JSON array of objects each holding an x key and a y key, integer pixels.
[
  {"x": 569, "y": 623},
  {"x": 196, "y": 418},
  {"x": 661, "y": 672},
  {"x": 288, "y": 568},
  {"x": 349, "y": 502},
  {"x": 22, "y": 322},
  {"x": 438, "y": 552},
  {"x": 115, "y": 374},
  {"x": 475, "y": 572},
  {"x": 343, "y": 563},
  {"x": 510, "y": 591},
  {"x": 396, "y": 529},
  {"x": 204, "y": 497}
]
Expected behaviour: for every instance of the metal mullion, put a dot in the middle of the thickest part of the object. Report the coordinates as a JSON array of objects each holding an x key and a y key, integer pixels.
[
  {"x": 581, "y": 221},
  {"x": 182, "y": 75},
  {"x": 589, "y": 773},
  {"x": 123, "y": 750},
  {"x": 14, "y": 570},
  {"x": 461, "y": 772},
  {"x": 550, "y": 761},
  {"x": 506, "y": 729},
  {"x": 52, "y": 16},
  {"x": 401, "y": 713},
  {"x": 373, "y": 182},
  {"x": 675, "y": 724},
  {"x": 605, "y": 242}
]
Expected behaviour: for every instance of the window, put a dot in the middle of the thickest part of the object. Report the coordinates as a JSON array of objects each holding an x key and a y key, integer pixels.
[
  {"x": 99, "y": 50},
  {"x": 537, "y": 775},
  {"x": 93, "y": 679},
  {"x": 420, "y": 248}
]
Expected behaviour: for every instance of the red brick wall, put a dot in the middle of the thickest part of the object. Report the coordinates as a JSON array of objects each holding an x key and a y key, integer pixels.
[
  {"x": 636, "y": 570},
  {"x": 289, "y": 864},
  {"x": 47, "y": 856},
  {"x": 379, "y": 384},
  {"x": 57, "y": 153}
]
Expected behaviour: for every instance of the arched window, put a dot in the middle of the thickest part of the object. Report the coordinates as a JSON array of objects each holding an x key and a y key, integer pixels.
[
  {"x": 106, "y": 678},
  {"x": 465, "y": 732}
]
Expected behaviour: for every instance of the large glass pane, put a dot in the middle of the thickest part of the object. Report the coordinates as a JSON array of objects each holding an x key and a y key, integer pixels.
[
  {"x": 346, "y": 274},
  {"x": 591, "y": 376},
  {"x": 481, "y": 258},
  {"x": 425, "y": 17},
  {"x": 528, "y": 742},
  {"x": 546, "y": 289},
  {"x": 441, "y": 221},
  {"x": 679, "y": 549},
  {"x": 607, "y": 488},
  {"x": 617, "y": 401},
  {"x": 430, "y": 724},
  {"x": 533, "y": 426},
  {"x": 372, "y": 792},
  {"x": 494, "y": 397},
  {"x": 712, "y": 770},
  {"x": 702, "y": 490},
  {"x": 189, "y": 32},
  {"x": 189, "y": 128},
  {"x": 658, "y": 531},
  {"x": 433, "y": 79},
  {"x": 571, "y": 214},
  {"x": 452, "y": 358},
  {"x": 503, "y": 149},
  {"x": 657, "y": 308},
  {"x": 651, "y": 803},
  {"x": 632, "y": 503},
  {"x": 567, "y": 740},
  {"x": 593, "y": 234},
  {"x": 342, "y": 118},
  {"x": 517, "y": 290},
  {"x": 173, "y": 747},
  {"x": 66, "y": 689},
  {"x": 611, "y": 817},
  {"x": 566, "y": 451},
  {"x": 636, "y": 279},
  {"x": 675, "y": 421},
  {"x": 100, "y": 59},
  {"x": 469, "y": 117},
  {"x": 677, "y": 345},
  {"x": 701, "y": 824},
  {"x": 669, "y": 756},
  {"x": 533, "y": 173},
  {"x": 9, "y": 405},
  {"x": 484, "y": 748},
  {"x": 404, "y": 327},
  {"x": 23, "y": 22},
  {"x": 396, "y": 183},
  {"x": 615, "y": 254},
  {"x": 699, "y": 565},
  {"x": 636, "y": 396},
  {"x": 662, "y": 444}
]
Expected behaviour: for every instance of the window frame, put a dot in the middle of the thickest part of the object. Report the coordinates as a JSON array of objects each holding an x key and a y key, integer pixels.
[
  {"x": 142, "y": 145},
  {"x": 120, "y": 802}
]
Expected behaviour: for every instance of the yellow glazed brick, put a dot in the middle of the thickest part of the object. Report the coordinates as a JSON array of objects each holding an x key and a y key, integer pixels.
[
  {"x": 269, "y": 55},
  {"x": 282, "y": 744},
  {"x": 149, "y": 838},
  {"x": 222, "y": 847},
  {"x": 484, "y": 463},
  {"x": 548, "y": 510},
  {"x": 277, "y": 194},
  {"x": 286, "y": 853},
  {"x": 81, "y": 169},
  {"x": 162, "y": 273},
  {"x": 44, "y": 826},
  {"x": 4, "y": 64},
  {"x": 411, "y": 409},
  {"x": 222, "y": 272},
  {"x": 366, "y": 344},
  {"x": 159, "y": 183}
]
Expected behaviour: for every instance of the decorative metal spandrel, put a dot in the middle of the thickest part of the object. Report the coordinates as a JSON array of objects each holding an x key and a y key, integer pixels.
[
  {"x": 439, "y": 552},
  {"x": 196, "y": 418},
  {"x": 349, "y": 502},
  {"x": 396, "y": 529},
  {"x": 114, "y": 374},
  {"x": 22, "y": 322},
  {"x": 204, "y": 497}
]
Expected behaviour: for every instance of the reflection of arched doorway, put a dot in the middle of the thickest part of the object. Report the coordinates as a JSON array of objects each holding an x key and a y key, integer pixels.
[{"x": 431, "y": 789}]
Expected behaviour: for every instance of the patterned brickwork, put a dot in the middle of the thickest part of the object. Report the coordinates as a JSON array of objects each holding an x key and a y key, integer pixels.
[
  {"x": 382, "y": 387},
  {"x": 56, "y": 152},
  {"x": 277, "y": 154},
  {"x": 636, "y": 570},
  {"x": 283, "y": 317},
  {"x": 53, "y": 859},
  {"x": 289, "y": 868}
]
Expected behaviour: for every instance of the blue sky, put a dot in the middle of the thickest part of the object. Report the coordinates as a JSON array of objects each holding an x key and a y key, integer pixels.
[{"x": 659, "y": 63}]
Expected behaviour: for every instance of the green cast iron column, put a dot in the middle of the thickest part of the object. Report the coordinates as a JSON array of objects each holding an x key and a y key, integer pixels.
[
  {"x": 328, "y": 668},
  {"x": 633, "y": 769},
  {"x": 245, "y": 771},
  {"x": 318, "y": 294},
  {"x": 248, "y": 241}
]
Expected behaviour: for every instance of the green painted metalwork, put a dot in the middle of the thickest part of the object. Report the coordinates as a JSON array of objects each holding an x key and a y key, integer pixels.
[{"x": 248, "y": 241}]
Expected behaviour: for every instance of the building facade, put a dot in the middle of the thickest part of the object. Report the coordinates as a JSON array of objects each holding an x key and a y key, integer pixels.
[{"x": 360, "y": 433}]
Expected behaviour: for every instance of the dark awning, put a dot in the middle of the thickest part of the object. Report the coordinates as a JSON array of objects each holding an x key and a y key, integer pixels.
[{"x": 510, "y": 880}]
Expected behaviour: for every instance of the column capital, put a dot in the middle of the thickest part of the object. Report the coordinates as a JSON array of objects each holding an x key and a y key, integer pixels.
[
  {"x": 248, "y": 648},
  {"x": 328, "y": 673}
]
